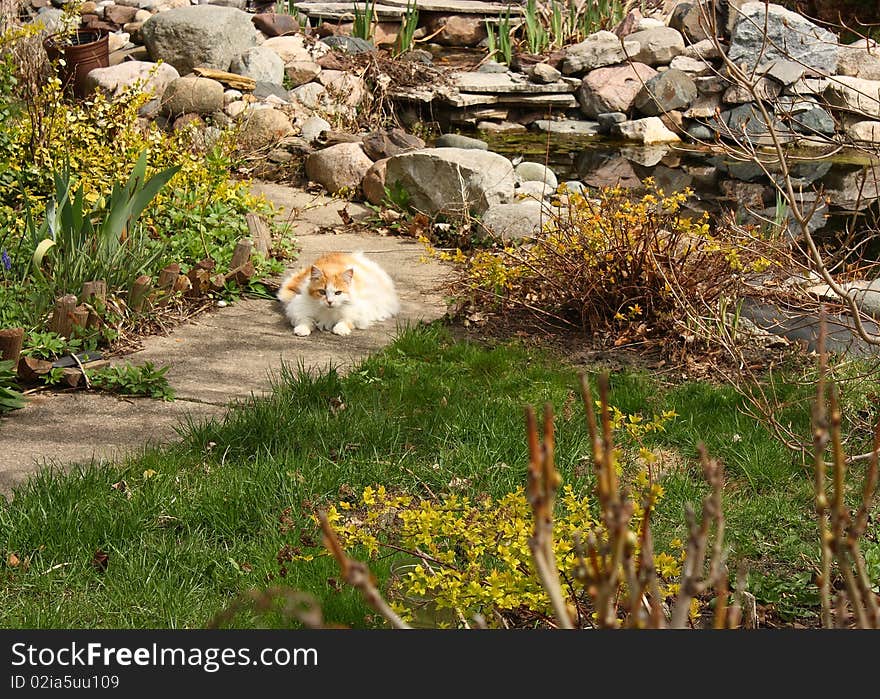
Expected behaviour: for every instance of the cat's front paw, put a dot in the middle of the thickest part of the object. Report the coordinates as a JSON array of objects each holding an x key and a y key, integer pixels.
[
  {"x": 342, "y": 328},
  {"x": 302, "y": 330}
]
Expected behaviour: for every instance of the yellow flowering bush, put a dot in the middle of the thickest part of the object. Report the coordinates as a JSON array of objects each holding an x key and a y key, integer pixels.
[
  {"x": 460, "y": 556},
  {"x": 617, "y": 263},
  {"x": 200, "y": 213}
]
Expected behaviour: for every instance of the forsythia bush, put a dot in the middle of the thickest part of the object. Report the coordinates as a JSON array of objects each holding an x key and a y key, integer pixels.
[
  {"x": 199, "y": 214},
  {"x": 471, "y": 556},
  {"x": 459, "y": 556},
  {"x": 616, "y": 262}
]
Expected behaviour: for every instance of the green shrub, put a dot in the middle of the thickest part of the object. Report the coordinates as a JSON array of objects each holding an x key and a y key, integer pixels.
[
  {"x": 131, "y": 380},
  {"x": 10, "y": 397},
  {"x": 201, "y": 213},
  {"x": 99, "y": 241},
  {"x": 637, "y": 267}
]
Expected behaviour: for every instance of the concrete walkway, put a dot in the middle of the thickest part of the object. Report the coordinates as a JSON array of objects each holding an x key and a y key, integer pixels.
[{"x": 221, "y": 356}]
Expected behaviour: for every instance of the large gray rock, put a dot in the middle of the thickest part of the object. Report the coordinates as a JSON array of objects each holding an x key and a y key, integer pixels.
[
  {"x": 746, "y": 122},
  {"x": 853, "y": 189},
  {"x": 567, "y": 126},
  {"x": 613, "y": 89},
  {"x": 597, "y": 50},
  {"x": 865, "y": 131},
  {"x": 536, "y": 172},
  {"x": 349, "y": 44},
  {"x": 313, "y": 127},
  {"x": 814, "y": 121},
  {"x": 788, "y": 36},
  {"x": 516, "y": 220},
  {"x": 693, "y": 20},
  {"x": 290, "y": 49},
  {"x": 454, "y": 140},
  {"x": 262, "y": 127},
  {"x": 150, "y": 77},
  {"x": 259, "y": 63},
  {"x": 454, "y": 181},
  {"x": 201, "y": 35},
  {"x": 648, "y": 131},
  {"x": 656, "y": 46},
  {"x": 192, "y": 95},
  {"x": 338, "y": 167},
  {"x": 860, "y": 59},
  {"x": 855, "y": 94},
  {"x": 672, "y": 89}
]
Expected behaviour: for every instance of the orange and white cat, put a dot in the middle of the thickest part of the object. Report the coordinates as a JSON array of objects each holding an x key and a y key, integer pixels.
[{"x": 339, "y": 292}]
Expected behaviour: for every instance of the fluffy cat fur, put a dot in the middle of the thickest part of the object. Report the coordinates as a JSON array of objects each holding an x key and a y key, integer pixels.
[{"x": 339, "y": 292}]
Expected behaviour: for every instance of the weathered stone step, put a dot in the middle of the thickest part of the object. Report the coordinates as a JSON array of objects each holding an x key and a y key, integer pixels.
[
  {"x": 455, "y": 98},
  {"x": 463, "y": 7},
  {"x": 506, "y": 83},
  {"x": 345, "y": 10},
  {"x": 396, "y": 9}
]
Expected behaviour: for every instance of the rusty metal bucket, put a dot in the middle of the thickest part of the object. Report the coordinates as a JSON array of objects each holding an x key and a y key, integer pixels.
[{"x": 82, "y": 51}]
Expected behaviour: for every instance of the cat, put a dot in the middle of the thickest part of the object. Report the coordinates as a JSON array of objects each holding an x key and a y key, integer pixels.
[{"x": 339, "y": 292}]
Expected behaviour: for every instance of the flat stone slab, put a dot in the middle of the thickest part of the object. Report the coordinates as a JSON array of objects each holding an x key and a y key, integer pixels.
[
  {"x": 346, "y": 10},
  {"x": 467, "y": 99},
  {"x": 221, "y": 356},
  {"x": 568, "y": 126},
  {"x": 506, "y": 83},
  {"x": 463, "y": 7}
]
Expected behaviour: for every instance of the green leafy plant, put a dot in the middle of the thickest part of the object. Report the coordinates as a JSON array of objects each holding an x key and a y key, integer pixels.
[
  {"x": 48, "y": 345},
  {"x": 10, "y": 397},
  {"x": 408, "y": 25},
  {"x": 536, "y": 35},
  {"x": 200, "y": 214},
  {"x": 397, "y": 197},
  {"x": 101, "y": 240},
  {"x": 500, "y": 46},
  {"x": 54, "y": 377},
  {"x": 363, "y": 20},
  {"x": 134, "y": 380}
]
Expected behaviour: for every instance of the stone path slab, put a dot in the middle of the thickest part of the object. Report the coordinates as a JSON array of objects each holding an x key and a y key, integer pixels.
[{"x": 221, "y": 356}]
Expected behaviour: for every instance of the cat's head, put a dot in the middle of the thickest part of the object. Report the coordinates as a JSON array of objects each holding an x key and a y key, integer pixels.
[{"x": 329, "y": 288}]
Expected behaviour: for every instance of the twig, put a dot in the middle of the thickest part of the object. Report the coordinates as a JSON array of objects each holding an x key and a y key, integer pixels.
[
  {"x": 543, "y": 481},
  {"x": 356, "y": 574}
]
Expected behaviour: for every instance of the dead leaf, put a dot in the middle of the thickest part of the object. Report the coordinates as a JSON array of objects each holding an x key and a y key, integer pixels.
[
  {"x": 101, "y": 560},
  {"x": 12, "y": 560},
  {"x": 418, "y": 226},
  {"x": 122, "y": 487},
  {"x": 345, "y": 216}
]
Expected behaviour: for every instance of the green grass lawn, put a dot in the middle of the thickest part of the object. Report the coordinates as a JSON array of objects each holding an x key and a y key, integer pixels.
[{"x": 197, "y": 523}]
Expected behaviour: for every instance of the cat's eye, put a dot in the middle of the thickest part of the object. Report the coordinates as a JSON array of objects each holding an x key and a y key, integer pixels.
[
  {"x": 323, "y": 292},
  {"x": 338, "y": 292}
]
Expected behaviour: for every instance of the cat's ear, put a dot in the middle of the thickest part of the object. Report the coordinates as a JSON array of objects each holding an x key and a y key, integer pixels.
[
  {"x": 347, "y": 275},
  {"x": 317, "y": 274}
]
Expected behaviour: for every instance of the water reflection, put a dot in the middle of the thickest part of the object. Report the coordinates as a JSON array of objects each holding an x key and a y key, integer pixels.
[{"x": 846, "y": 183}]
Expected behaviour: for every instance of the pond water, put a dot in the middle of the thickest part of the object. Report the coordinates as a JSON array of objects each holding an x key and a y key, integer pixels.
[{"x": 848, "y": 183}]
